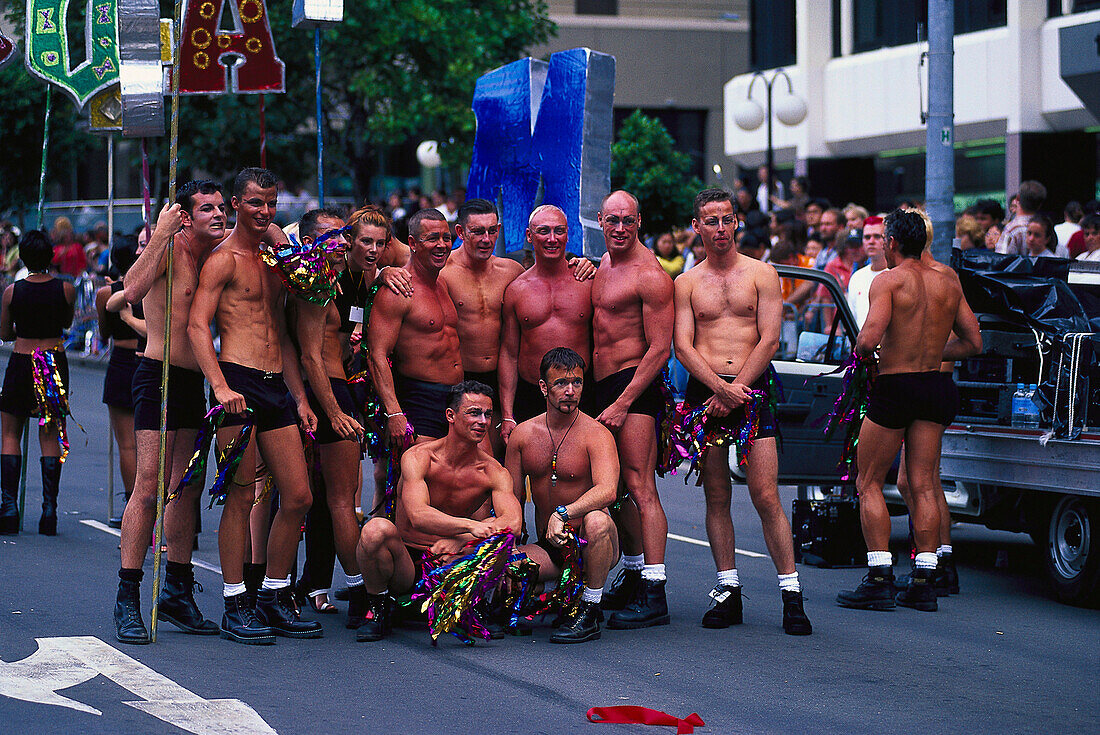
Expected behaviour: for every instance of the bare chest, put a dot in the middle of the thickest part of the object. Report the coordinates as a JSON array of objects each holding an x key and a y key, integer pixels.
[
  {"x": 432, "y": 314},
  {"x": 476, "y": 297},
  {"x": 717, "y": 299},
  {"x": 565, "y": 303}
]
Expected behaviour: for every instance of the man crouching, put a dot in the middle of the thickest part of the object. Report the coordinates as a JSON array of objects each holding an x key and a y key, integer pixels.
[
  {"x": 573, "y": 467},
  {"x": 444, "y": 482}
]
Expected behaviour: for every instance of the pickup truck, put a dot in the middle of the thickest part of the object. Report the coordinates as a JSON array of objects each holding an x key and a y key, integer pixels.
[{"x": 998, "y": 476}]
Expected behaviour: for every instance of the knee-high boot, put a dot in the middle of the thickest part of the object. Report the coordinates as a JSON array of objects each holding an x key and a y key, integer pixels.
[
  {"x": 10, "y": 464},
  {"x": 51, "y": 479}
]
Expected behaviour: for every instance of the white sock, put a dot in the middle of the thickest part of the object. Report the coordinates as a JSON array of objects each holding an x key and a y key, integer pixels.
[
  {"x": 354, "y": 581},
  {"x": 728, "y": 577},
  {"x": 592, "y": 595},
  {"x": 633, "y": 562},
  {"x": 232, "y": 590},
  {"x": 879, "y": 559},
  {"x": 789, "y": 582},
  {"x": 944, "y": 550},
  {"x": 654, "y": 572},
  {"x": 318, "y": 593},
  {"x": 276, "y": 584},
  {"x": 925, "y": 560}
]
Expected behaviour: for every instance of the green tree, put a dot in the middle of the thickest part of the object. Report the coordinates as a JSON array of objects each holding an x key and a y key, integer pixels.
[{"x": 645, "y": 162}]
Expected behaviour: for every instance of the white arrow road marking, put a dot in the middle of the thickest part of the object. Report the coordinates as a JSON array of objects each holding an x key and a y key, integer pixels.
[{"x": 60, "y": 663}]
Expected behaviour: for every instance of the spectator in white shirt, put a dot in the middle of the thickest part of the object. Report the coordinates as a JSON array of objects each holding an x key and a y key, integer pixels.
[{"x": 859, "y": 287}]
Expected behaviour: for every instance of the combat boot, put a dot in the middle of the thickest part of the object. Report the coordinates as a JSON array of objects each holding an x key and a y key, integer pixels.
[
  {"x": 725, "y": 608},
  {"x": 583, "y": 625},
  {"x": 129, "y": 627},
  {"x": 176, "y": 604},
  {"x": 875, "y": 592},
  {"x": 357, "y": 606},
  {"x": 240, "y": 624},
  {"x": 51, "y": 479},
  {"x": 377, "y": 623},
  {"x": 10, "y": 465},
  {"x": 795, "y": 621},
  {"x": 949, "y": 574},
  {"x": 920, "y": 593},
  {"x": 648, "y": 608},
  {"x": 622, "y": 590},
  {"x": 276, "y": 609}
]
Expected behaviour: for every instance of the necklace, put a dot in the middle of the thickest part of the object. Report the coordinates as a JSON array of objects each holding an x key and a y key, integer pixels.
[{"x": 557, "y": 447}]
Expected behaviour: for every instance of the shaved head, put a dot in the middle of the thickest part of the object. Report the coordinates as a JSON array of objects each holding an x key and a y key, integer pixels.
[
  {"x": 543, "y": 208},
  {"x": 618, "y": 196}
]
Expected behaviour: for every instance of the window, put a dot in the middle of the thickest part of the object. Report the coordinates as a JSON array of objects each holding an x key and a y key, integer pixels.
[
  {"x": 597, "y": 7},
  {"x": 883, "y": 23},
  {"x": 837, "y": 20},
  {"x": 978, "y": 16},
  {"x": 771, "y": 34}
]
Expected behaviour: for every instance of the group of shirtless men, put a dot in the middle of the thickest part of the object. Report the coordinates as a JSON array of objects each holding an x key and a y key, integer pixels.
[{"x": 555, "y": 369}]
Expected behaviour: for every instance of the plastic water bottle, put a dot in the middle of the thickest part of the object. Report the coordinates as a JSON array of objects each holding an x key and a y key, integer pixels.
[
  {"x": 1019, "y": 410},
  {"x": 1030, "y": 417}
]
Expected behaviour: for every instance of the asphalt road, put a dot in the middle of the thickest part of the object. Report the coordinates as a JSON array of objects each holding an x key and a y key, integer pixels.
[{"x": 1001, "y": 657}]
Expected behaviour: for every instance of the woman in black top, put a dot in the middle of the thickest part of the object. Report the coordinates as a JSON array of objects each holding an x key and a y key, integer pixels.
[
  {"x": 34, "y": 313},
  {"x": 118, "y": 381}
]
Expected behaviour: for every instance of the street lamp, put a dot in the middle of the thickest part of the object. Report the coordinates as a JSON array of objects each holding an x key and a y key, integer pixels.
[{"x": 789, "y": 108}]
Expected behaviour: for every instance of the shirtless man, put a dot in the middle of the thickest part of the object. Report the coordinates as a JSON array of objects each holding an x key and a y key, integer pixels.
[
  {"x": 338, "y": 434},
  {"x": 632, "y": 335},
  {"x": 200, "y": 210},
  {"x": 544, "y": 308},
  {"x": 573, "y": 469},
  {"x": 421, "y": 335},
  {"x": 444, "y": 482},
  {"x": 256, "y": 367},
  {"x": 728, "y": 314},
  {"x": 914, "y": 310}
]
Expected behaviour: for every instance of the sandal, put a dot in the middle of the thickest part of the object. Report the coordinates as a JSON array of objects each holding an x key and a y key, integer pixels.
[{"x": 318, "y": 600}]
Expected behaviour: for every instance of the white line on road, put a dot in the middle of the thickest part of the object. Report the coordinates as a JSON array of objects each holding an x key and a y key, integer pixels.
[
  {"x": 97, "y": 525},
  {"x": 698, "y": 542}
]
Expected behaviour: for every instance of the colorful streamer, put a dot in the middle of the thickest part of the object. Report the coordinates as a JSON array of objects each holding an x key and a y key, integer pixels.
[
  {"x": 693, "y": 433},
  {"x": 453, "y": 592},
  {"x": 564, "y": 599},
  {"x": 51, "y": 396},
  {"x": 851, "y": 406},
  {"x": 304, "y": 268},
  {"x": 228, "y": 459}
]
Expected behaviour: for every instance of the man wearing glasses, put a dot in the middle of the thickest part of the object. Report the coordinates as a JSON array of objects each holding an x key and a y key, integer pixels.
[
  {"x": 444, "y": 483},
  {"x": 544, "y": 308},
  {"x": 420, "y": 335},
  {"x": 632, "y": 332},
  {"x": 728, "y": 314}
]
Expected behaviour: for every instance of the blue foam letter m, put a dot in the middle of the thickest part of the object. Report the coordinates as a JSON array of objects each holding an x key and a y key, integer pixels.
[{"x": 547, "y": 123}]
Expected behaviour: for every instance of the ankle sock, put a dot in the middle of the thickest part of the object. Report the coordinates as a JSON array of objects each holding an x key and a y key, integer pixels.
[
  {"x": 276, "y": 584},
  {"x": 354, "y": 581},
  {"x": 232, "y": 590},
  {"x": 131, "y": 575},
  {"x": 633, "y": 562},
  {"x": 592, "y": 595},
  {"x": 944, "y": 550},
  {"x": 925, "y": 560},
  {"x": 728, "y": 577},
  {"x": 654, "y": 572},
  {"x": 789, "y": 582},
  {"x": 879, "y": 559}
]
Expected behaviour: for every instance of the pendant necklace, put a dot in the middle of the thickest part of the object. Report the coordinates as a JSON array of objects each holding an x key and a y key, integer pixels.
[{"x": 557, "y": 447}]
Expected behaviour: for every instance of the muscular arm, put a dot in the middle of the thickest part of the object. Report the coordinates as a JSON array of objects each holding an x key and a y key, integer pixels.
[
  {"x": 604, "y": 459},
  {"x": 506, "y": 506},
  {"x": 508, "y": 359},
  {"x": 292, "y": 375},
  {"x": 658, "y": 315},
  {"x": 878, "y": 316},
  {"x": 513, "y": 463},
  {"x": 150, "y": 265},
  {"x": 416, "y": 505},
  {"x": 969, "y": 340},
  {"x": 385, "y": 325},
  {"x": 310, "y": 330}
]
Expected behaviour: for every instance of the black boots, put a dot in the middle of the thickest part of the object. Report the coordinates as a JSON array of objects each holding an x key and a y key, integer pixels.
[
  {"x": 947, "y": 576},
  {"x": 176, "y": 604},
  {"x": 876, "y": 592},
  {"x": 648, "y": 608},
  {"x": 725, "y": 609},
  {"x": 377, "y": 623},
  {"x": 357, "y": 606},
  {"x": 622, "y": 590},
  {"x": 51, "y": 479},
  {"x": 920, "y": 593},
  {"x": 795, "y": 621},
  {"x": 240, "y": 624},
  {"x": 275, "y": 608},
  {"x": 253, "y": 578},
  {"x": 582, "y": 626},
  {"x": 10, "y": 464},
  {"x": 129, "y": 627}
]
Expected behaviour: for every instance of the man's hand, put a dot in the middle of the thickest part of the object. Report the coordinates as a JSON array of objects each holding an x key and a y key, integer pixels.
[
  {"x": 169, "y": 221},
  {"x": 733, "y": 394},
  {"x": 396, "y": 429},
  {"x": 613, "y": 417},
  {"x": 355, "y": 339},
  {"x": 507, "y": 426},
  {"x": 583, "y": 269},
  {"x": 397, "y": 280},
  {"x": 347, "y": 427},
  {"x": 307, "y": 420},
  {"x": 446, "y": 547},
  {"x": 717, "y": 408},
  {"x": 230, "y": 400},
  {"x": 556, "y": 531},
  {"x": 483, "y": 529}
]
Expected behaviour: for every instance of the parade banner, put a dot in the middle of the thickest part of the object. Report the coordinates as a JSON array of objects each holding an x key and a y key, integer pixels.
[
  {"x": 140, "y": 68},
  {"x": 205, "y": 50},
  {"x": 48, "y": 47},
  {"x": 549, "y": 123}
]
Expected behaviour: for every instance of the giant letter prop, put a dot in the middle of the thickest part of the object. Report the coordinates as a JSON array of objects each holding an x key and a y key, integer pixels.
[
  {"x": 48, "y": 47},
  {"x": 316, "y": 13},
  {"x": 203, "y": 48},
  {"x": 140, "y": 70},
  {"x": 550, "y": 122}
]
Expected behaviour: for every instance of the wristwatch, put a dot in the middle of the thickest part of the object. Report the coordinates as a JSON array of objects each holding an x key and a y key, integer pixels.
[{"x": 562, "y": 513}]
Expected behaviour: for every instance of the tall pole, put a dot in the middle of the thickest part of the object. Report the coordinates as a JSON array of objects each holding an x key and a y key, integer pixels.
[
  {"x": 110, "y": 242},
  {"x": 771, "y": 149},
  {"x": 320, "y": 118},
  {"x": 939, "y": 184}
]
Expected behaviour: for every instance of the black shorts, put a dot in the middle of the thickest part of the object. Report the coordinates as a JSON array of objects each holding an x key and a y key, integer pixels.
[
  {"x": 265, "y": 393},
  {"x": 186, "y": 405},
  {"x": 899, "y": 399},
  {"x": 18, "y": 395},
  {"x": 605, "y": 392},
  {"x": 489, "y": 379},
  {"x": 118, "y": 383},
  {"x": 556, "y": 553},
  {"x": 696, "y": 394},
  {"x": 325, "y": 434},
  {"x": 424, "y": 405}
]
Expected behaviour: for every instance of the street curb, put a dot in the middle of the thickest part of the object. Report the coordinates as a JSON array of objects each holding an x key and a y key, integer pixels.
[{"x": 96, "y": 362}]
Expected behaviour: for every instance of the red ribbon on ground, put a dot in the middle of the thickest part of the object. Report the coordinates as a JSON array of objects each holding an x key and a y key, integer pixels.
[{"x": 626, "y": 714}]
